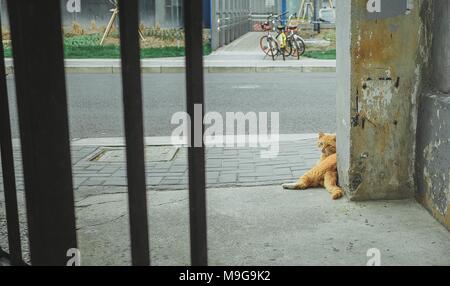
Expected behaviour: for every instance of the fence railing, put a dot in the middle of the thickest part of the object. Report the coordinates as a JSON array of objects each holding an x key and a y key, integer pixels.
[
  {"x": 231, "y": 19},
  {"x": 44, "y": 132}
]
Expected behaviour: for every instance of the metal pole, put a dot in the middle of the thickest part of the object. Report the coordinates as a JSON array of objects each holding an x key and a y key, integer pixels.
[
  {"x": 44, "y": 129},
  {"x": 9, "y": 177},
  {"x": 196, "y": 154},
  {"x": 316, "y": 15},
  {"x": 215, "y": 34},
  {"x": 134, "y": 130}
]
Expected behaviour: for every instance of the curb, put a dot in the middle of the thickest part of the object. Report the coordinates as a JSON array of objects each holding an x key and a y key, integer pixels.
[
  {"x": 157, "y": 70},
  {"x": 114, "y": 67}
]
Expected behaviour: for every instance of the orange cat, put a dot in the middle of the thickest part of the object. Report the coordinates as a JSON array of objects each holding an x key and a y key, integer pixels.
[{"x": 324, "y": 174}]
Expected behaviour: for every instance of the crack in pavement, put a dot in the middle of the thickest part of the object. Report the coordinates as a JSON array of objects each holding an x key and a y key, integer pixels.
[
  {"x": 99, "y": 203},
  {"x": 102, "y": 223},
  {"x": 171, "y": 202}
]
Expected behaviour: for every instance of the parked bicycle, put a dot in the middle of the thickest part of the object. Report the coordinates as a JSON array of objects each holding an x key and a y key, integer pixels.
[
  {"x": 268, "y": 43},
  {"x": 294, "y": 40},
  {"x": 272, "y": 46}
]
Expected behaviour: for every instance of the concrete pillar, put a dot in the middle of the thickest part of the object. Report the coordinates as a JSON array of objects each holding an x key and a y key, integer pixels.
[
  {"x": 343, "y": 73},
  {"x": 433, "y": 130},
  {"x": 381, "y": 55}
]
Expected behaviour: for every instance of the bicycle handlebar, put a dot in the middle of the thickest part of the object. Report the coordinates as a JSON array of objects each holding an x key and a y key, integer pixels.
[{"x": 277, "y": 16}]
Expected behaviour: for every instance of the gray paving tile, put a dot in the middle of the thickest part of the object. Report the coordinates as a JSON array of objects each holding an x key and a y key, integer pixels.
[
  {"x": 224, "y": 166},
  {"x": 154, "y": 180},
  {"x": 227, "y": 178}
]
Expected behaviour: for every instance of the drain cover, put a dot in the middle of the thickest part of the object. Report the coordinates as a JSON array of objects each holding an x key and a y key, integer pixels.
[{"x": 117, "y": 155}]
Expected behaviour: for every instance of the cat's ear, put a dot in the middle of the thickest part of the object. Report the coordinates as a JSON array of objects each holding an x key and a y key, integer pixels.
[
  {"x": 334, "y": 138},
  {"x": 321, "y": 135}
]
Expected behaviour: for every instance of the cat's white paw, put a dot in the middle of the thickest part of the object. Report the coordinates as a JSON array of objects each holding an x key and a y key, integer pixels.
[{"x": 290, "y": 186}]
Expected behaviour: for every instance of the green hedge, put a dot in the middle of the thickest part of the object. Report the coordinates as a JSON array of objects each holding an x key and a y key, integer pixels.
[{"x": 323, "y": 55}]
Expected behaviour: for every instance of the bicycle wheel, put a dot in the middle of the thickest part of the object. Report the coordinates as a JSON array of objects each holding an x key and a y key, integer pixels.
[
  {"x": 264, "y": 44},
  {"x": 296, "y": 51},
  {"x": 301, "y": 46},
  {"x": 273, "y": 48}
]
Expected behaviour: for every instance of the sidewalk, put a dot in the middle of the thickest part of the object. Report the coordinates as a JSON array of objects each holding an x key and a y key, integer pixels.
[
  {"x": 242, "y": 55},
  {"x": 251, "y": 220},
  {"x": 101, "y": 163},
  {"x": 214, "y": 63}
]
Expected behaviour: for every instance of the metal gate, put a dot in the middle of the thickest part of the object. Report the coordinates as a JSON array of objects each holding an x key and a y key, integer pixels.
[{"x": 43, "y": 123}]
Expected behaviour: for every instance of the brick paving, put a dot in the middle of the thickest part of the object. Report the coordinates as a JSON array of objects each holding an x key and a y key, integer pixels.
[{"x": 226, "y": 167}]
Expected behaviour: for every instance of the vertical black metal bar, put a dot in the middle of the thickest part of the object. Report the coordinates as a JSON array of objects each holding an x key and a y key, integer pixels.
[
  {"x": 134, "y": 130},
  {"x": 9, "y": 176},
  {"x": 44, "y": 130},
  {"x": 196, "y": 154}
]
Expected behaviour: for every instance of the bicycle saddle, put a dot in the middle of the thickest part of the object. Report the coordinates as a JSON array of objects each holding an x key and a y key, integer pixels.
[{"x": 265, "y": 26}]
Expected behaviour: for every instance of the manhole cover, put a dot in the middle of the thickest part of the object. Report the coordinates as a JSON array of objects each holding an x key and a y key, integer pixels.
[{"x": 117, "y": 155}]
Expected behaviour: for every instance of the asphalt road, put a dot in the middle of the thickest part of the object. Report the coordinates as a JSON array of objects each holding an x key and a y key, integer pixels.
[{"x": 306, "y": 102}]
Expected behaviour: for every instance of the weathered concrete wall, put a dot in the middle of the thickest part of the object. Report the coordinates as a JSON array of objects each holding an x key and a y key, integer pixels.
[
  {"x": 441, "y": 45},
  {"x": 389, "y": 50},
  {"x": 433, "y": 134},
  {"x": 433, "y": 156}
]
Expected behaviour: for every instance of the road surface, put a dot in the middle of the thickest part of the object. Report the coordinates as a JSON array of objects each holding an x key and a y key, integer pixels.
[{"x": 306, "y": 102}]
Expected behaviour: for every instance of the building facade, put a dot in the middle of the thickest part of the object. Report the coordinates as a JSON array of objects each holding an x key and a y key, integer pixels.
[{"x": 165, "y": 13}]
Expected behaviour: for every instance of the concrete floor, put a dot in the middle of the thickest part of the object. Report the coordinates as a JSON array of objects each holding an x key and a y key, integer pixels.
[
  {"x": 259, "y": 226},
  {"x": 266, "y": 226}
]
